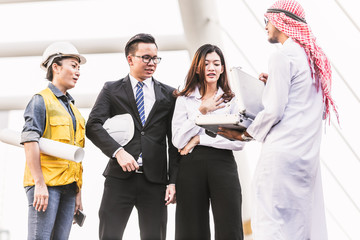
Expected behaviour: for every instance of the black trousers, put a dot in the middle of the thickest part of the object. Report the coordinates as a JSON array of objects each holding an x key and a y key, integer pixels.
[
  {"x": 208, "y": 175},
  {"x": 119, "y": 198}
]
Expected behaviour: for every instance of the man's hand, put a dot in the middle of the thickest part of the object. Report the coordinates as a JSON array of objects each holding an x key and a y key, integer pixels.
[
  {"x": 170, "y": 194},
  {"x": 41, "y": 197},
  {"x": 126, "y": 161},
  {"x": 211, "y": 104},
  {"x": 263, "y": 77},
  {"x": 230, "y": 133},
  {"x": 190, "y": 145}
]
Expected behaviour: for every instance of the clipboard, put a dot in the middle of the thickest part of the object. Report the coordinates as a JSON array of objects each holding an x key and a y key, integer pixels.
[{"x": 248, "y": 91}]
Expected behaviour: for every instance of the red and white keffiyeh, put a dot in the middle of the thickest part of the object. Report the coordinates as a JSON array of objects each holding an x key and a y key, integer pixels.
[{"x": 289, "y": 17}]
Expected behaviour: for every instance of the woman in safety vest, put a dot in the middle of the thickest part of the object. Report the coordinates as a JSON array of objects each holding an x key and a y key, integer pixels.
[{"x": 52, "y": 184}]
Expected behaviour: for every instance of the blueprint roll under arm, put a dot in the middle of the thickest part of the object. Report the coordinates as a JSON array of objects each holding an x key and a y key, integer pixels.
[{"x": 47, "y": 146}]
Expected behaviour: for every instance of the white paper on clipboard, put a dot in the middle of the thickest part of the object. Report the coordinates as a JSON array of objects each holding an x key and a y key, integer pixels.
[{"x": 248, "y": 90}]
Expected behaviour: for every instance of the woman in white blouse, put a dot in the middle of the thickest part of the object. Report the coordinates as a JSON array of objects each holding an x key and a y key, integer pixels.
[{"x": 207, "y": 169}]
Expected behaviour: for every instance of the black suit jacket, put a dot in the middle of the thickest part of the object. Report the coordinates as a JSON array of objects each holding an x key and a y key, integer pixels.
[{"x": 117, "y": 97}]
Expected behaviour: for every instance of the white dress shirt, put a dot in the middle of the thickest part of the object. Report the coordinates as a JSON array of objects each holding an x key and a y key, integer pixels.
[
  {"x": 149, "y": 93},
  {"x": 184, "y": 127},
  {"x": 149, "y": 97}
]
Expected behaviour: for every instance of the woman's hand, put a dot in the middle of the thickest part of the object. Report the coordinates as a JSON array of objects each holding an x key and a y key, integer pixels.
[
  {"x": 78, "y": 202},
  {"x": 41, "y": 197},
  {"x": 41, "y": 193},
  {"x": 211, "y": 104},
  {"x": 190, "y": 145}
]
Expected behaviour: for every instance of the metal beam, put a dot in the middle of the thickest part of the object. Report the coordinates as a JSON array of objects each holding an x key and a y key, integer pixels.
[
  {"x": 20, "y": 102},
  {"x": 4, "y": 120},
  {"x": 88, "y": 46},
  {"x": 348, "y": 15},
  {"x": 23, "y": 1}
]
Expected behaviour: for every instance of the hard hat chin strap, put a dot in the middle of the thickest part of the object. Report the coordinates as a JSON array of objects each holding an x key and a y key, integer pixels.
[{"x": 51, "y": 58}]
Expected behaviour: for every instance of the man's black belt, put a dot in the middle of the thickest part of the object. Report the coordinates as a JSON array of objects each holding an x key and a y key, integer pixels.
[{"x": 140, "y": 170}]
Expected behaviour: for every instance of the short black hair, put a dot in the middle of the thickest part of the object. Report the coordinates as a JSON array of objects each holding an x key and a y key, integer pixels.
[{"x": 132, "y": 44}]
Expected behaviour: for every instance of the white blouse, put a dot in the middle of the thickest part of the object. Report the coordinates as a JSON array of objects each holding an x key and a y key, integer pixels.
[{"x": 184, "y": 127}]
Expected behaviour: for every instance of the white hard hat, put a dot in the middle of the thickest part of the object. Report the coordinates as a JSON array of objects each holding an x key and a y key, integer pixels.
[
  {"x": 120, "y": 128},
  {"x": 59, "y": 49}
]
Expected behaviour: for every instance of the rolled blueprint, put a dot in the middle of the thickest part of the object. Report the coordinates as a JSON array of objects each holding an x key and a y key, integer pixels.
[{"x": 47, "y": 146}]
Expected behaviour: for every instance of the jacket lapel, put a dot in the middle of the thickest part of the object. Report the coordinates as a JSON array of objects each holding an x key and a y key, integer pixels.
[{"x": 131, "y": 98}]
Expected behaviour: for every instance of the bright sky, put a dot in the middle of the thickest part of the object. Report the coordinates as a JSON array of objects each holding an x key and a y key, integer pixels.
[{"x": 61, "y": 20}]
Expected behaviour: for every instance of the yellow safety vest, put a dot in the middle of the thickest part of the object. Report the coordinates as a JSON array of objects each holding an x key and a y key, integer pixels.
[{"x": 59, "y": 127}]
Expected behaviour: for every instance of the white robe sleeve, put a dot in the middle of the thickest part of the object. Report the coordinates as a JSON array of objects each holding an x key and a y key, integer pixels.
[{"x": 275, "y": 97}]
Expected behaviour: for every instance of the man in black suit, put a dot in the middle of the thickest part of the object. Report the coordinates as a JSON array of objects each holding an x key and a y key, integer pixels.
[{"x": 138, "y": 174}]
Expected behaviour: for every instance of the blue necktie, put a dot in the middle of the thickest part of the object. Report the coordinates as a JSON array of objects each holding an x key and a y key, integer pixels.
[{"x": 139, "y": 98}]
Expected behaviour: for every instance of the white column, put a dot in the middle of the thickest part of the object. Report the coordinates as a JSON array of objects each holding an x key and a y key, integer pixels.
[
  {"x": 245, "y": 181},
  {"x": 199, "y": 19},
  {"x": 4, "y": 118}
]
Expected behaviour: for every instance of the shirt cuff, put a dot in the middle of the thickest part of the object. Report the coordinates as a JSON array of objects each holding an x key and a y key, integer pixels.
[
  {"x": 203, "y": 138},
  {"x": 116, "y": 152},
  {"x": 30, "y": 136}
]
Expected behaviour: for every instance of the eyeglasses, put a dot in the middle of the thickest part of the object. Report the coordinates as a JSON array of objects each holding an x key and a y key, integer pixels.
[
  {"x": 266, "y": 21},
  {"x": 147, "y": 59}
]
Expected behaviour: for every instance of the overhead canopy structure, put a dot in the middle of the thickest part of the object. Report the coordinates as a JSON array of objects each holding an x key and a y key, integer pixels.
[{"x": 100, "y": 30}]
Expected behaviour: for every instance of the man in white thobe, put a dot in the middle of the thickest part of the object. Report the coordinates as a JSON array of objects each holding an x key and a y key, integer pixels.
[{"x": 288, "y": 200}]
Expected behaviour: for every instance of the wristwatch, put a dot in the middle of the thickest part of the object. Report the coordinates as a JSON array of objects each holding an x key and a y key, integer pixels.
[{"x": 246, "y": 138}]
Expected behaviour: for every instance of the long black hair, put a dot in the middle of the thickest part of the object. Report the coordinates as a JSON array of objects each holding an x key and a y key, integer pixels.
[{"x": 196, "y": 74}]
